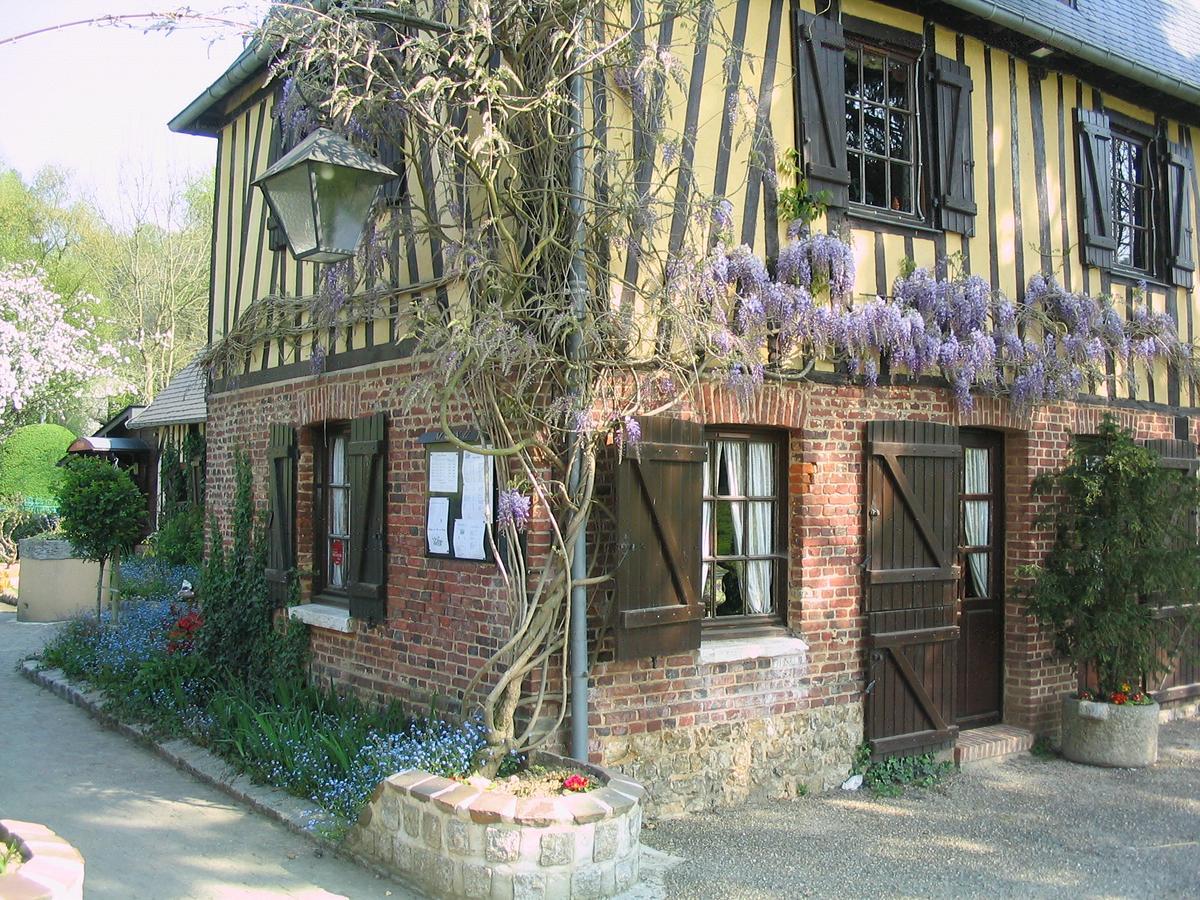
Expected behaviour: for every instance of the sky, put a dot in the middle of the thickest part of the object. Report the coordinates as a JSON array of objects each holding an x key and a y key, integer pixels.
[{"x": 96, "y": 100}]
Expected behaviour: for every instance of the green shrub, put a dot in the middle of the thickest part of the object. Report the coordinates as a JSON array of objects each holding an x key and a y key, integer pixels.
[
  {"x": 29, "y": 461},
  {"x": 179, "y": 540},
  {"x": 889, "y": 776}
]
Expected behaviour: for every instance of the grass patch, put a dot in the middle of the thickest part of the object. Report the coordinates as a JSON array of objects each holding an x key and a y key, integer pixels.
[
  {"x": 890, "y": 776},
  {"x": 1043, "y": 748}
]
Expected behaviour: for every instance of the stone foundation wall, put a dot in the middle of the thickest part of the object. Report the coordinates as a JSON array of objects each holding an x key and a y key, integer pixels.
[{"x": 455, "y": 840}]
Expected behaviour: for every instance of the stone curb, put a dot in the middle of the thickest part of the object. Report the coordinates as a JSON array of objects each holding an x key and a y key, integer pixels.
[
  {"x": 290, "y": 811},
  {"x": 51, "y": 869}
]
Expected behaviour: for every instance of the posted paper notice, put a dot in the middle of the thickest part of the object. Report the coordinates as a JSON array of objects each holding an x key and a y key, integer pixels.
[
  {"x": 468, "y": 539},
  {"x": 435, "y": 527},
  {"x": 443, "y": 473}
]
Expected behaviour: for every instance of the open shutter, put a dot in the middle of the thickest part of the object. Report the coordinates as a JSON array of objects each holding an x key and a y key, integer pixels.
[
  {"x": 821, "y": 66},
  {"x": 659, "y": 496},
  {"x": 914, "y": 470},
  {"x": 367, "y": 458},
  {"x": 1095, "y": 187},
  {"x": 276, "y": 239},
  {"x": 281, "y": 512},
  {"x": 1182, "y": 680},
  {"x": 1181, "y": 261},
  {"x": 955, "y": 155}
]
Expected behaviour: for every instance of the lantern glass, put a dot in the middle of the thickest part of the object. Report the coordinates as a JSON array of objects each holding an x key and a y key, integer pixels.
[
  {"x": 291, "y": 198},
  {"x": 344, "y": 197}
]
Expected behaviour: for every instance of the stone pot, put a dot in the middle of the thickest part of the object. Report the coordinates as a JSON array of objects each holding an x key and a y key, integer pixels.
[
  {"x": 51, "y": 869},
  {"x": 1105, "y": 734},
  {"x": 455, "y": 840}
]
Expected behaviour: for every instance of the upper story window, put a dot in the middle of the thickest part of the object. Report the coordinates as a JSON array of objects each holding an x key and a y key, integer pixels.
[
  {"x": 741, "y": 543},
  {"x": 881, "y": 128},
  {"x": 1131, "y": 196}
]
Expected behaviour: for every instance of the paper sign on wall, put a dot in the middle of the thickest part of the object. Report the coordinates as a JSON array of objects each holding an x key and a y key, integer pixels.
[
  {"x": 443, "y": 473},
  {"x": 435, "y": 527},
  {"x": 468, "y": 538}
]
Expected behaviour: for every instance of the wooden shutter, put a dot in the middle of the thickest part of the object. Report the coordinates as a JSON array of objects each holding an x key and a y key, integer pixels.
[
  {"x": 367, "y": 458},
  {"x": 281, "y": 512},
  {"x": 1095, "y": 187},
  {"x": 821, "y": 85},
  {"x": 914, "y": 472},
  {"x": 1182, "y": 679},
  {"x": 1181, "y": 261},
  {"x": 276, "y": 239},
  {"x": 955, "y": 154},
  {"x": 658, "y": 522}
]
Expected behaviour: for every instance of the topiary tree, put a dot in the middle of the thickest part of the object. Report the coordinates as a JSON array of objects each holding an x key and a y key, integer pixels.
[
  {"x": 29, "y": 461},
  {"x": 1124, "y": 543},
  {"x": 102, "y": 511}
]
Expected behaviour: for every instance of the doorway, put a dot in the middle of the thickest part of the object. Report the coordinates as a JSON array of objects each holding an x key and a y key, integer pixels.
[{"x": 979, "y": 696}]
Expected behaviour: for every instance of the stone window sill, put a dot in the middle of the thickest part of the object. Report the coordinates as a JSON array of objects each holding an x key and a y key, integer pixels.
[
  {"x": 751, "y": 648},
  {"x": 322, "y": 615}
]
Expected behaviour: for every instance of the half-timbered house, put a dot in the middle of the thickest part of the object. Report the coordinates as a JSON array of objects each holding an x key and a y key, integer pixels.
[{"x": 847, "y": 557}]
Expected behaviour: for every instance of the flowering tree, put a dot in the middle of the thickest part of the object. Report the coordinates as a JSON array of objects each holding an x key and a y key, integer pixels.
[
  {"x": 586, "y": 279},
  {"x": 44, "y": 359}
]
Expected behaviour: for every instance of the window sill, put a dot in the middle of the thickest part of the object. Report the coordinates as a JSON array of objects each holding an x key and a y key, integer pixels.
[
  {"x": 868, "y": 218},
  {"x": 745, "y": 648},
  {"x": 322, "y": 615}
]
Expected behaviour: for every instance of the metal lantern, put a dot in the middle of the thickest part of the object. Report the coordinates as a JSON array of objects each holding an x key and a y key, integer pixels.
[{"x": 321, "y": 193}]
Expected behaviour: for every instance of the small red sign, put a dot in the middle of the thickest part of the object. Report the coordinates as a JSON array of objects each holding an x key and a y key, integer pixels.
[{"x": 337, "y": 552}]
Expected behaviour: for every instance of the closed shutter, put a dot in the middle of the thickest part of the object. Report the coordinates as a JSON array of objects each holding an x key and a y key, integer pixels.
[
  {"x": 659, "y": 496},
  {"x": 821, "y": 84},
  {"x": 367, "y": 458},
  {"x": 955, "y": 155},
  {"x": 1182, "y": 679},
  {"x": 914, "y": 471},
  {"x": 1181, "y": 261},
  {"x": 281, "y": 513},
  {"x": 276, "y": 239},
  {"x": 1095, "y": 187}
]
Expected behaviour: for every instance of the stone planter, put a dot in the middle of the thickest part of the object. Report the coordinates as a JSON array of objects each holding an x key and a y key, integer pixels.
[
  {"x": 1105, "y": 734},
  {"x": 51, "y": 869},
  {"x": 55, "y": 584},
  {"x": 455, "y": 840}
]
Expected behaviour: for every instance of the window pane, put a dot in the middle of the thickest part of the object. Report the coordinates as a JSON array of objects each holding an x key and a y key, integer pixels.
[
  {"x": 758, "y": 541},
  {"x": 976, "y": 471},
  {"x": 760, "y": 477},
  {"x": 338, "y": 461},
  {"x": 875, "y": 182},
  {"x": 902, "y": 187},
  {"x": 339, "y": 511},
  {"x": 1124, "y": 244},
  {"x": 898, "y": 81},
  {"x": 899, "y": 138},
  {"x": 731, "y": 522},
  {"x": 853, "y": 125},
  {"x": 852, "y": 71},
  {"x": 976, "y": 522},
  {"x": 873, "y": 129},
  {"x": 729, "y": 589},
  {"x": 873, "y": 79},
  {"x": 977, "y": 572},
  {"x": 855, "y": 162},
  {"x": 758, "y": 587}
]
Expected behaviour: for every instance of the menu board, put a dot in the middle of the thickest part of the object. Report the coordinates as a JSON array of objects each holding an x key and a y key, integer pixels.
[{"x": 460, "y": 490}]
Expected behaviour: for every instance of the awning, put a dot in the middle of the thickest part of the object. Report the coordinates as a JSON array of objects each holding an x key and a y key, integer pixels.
[{"x": 108, "y": 445}]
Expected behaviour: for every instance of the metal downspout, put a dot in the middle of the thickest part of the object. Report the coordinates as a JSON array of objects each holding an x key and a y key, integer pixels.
[{"x": 577, "y": 626}]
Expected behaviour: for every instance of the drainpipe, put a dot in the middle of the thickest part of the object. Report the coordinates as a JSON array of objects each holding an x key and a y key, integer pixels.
[
  {"x": 991, "y": 11},
  {"x": 577, "y": 626}
]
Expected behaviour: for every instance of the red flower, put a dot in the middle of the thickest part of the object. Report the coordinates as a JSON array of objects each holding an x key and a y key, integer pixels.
[
  {"x": 576, "y": 783},
  {"x": 1118, "y": 697},
  {"x": 181, "y": 635},
  {"x": 1085, "y": 695}
]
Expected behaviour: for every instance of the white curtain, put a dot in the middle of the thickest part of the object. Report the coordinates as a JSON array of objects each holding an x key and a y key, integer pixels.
[
  {"x": 733, "y": 467},
  {"x": 976, "y": 515},
  {"x": 759, "y": 483}
]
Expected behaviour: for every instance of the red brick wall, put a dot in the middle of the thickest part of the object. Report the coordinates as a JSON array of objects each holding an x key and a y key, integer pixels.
[{"x": 444, "y": 617}]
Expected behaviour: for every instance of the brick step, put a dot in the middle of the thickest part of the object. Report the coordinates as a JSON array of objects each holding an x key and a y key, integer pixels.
[{"x": 990, "y": 743}]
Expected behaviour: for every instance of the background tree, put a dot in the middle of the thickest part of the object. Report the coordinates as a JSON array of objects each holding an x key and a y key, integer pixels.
[
  {"x": 102, "y": 511},
  {"x": 29, "y": 461}
]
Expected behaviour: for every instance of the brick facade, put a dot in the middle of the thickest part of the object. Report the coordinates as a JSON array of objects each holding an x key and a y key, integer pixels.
[{"x": 682, "y": 716}]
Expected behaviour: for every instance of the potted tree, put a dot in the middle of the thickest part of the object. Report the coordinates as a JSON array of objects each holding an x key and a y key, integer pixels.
[{"x": 1124, "y": 545}]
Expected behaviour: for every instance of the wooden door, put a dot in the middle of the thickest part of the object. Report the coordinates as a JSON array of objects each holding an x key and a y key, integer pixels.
[
  {"x": 914, "y": 472},
  {"x": 981, "y": 587}
]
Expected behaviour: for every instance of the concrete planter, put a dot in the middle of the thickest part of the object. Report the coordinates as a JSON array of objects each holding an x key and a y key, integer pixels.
[
  {"x": 455, "y": 840},
  {"x": 51, "y": 869},
  {"x": 55, "y": 584},
  {"x": 1105, "y": 734}
]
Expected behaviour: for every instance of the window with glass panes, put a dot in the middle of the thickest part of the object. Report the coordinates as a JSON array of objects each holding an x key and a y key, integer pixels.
[
  {"x": 742, "y": 544},
  {"x": 1131, "y": 201},
  {"x": 333, "y": 538},
  {"x": 881, "y": 128}
]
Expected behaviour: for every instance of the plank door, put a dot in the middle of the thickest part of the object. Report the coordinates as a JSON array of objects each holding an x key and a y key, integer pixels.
[{"x": 914, "y": 474}]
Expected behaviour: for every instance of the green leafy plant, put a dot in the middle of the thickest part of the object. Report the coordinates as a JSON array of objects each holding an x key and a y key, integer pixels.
[
  {"x": 10, "y": 856},
  {"x": 889, "y": 776},
  {"x": 29, "y": 461},
  {"x": 102, "y": 511},
  {"x": 1043, "y": 748},
  {"x": 1124, "y": 545},
  {"x": 179, "y": 540},
  {"x": 797, "y": 203}
]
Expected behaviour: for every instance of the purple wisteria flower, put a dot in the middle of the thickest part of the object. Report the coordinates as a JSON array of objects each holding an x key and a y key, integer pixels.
[{"x": 514, "y": 508}]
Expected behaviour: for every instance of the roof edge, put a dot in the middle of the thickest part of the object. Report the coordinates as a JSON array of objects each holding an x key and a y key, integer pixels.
[{"x": 194, "y": 118}]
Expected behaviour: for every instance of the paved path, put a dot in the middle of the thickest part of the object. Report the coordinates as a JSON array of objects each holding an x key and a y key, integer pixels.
[{"x": 145, "y": 829}]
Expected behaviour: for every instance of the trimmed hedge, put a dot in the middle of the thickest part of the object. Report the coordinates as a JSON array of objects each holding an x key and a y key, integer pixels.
[{"x": 29, "y": 459}]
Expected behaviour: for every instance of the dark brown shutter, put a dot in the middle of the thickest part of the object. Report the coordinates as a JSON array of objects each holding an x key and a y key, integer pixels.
[
  {"x": 1095, "y": 187},
  {"x": 955, "y": 154},
  {"x": 281, "y": 512},
  {"x": 1181, "y": 261},
  {"x": 391, "y": 154},
  {"x": 368, "y": 499},
  {"x": 659, "y": 496},
  {"x": 914, "y": 471},
  {"x": 276, "y": 239},
  {"x": 821, "y": 85}
]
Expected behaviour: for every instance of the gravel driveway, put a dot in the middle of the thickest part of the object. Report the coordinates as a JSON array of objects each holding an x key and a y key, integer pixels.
[{"x": 1022, "y": 828}]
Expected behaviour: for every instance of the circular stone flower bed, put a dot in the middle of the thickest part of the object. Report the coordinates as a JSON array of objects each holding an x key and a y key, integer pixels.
[
  {"x": 50, "y": 867},
  {"x": 455, "y": 839}
]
